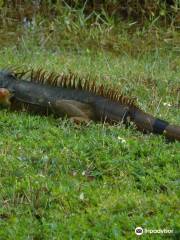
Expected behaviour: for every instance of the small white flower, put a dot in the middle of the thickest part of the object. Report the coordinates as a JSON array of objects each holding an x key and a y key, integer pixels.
[
  {"x": 81, "y": 196},
  {"x": 83, "y": 173},
  {"x": 74, "y": 173},
  {"x": 167, "y": 104},
  {"x": 122, "y": 139}
]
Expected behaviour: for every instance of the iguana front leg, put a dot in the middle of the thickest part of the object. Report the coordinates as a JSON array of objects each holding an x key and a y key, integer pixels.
[{"x": 77, "y": 111}]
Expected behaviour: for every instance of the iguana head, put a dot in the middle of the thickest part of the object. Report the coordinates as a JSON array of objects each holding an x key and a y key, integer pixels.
[{"x": 5, "y": 78}]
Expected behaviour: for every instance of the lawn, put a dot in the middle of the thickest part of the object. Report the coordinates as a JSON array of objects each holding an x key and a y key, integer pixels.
[{"x": 62, "y": 181}]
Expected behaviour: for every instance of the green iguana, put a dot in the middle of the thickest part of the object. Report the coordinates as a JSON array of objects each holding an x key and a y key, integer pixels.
[{"x": 80, "y": 100}]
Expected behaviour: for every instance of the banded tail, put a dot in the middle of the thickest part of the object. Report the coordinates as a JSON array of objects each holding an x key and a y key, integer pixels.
[{"x": 146, "y": 122}]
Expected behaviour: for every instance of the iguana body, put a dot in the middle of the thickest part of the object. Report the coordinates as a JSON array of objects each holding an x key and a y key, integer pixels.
[{"x": 64, "y": 95}]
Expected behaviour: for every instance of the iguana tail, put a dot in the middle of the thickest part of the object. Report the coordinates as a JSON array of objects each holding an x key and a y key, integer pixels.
[
  {"x": 147, "y": 123},
  {"x": 144, "y": 122}
]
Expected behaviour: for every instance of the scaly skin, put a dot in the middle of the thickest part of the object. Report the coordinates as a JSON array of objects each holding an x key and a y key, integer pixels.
[{"x": 79, "y": 104}]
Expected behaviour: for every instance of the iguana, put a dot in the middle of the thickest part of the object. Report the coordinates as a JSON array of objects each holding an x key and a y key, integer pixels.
[{"x": 79, "y": 99}]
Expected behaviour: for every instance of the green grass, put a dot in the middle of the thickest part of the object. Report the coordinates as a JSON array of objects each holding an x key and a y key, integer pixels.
[{"x": 61, "y": 181}]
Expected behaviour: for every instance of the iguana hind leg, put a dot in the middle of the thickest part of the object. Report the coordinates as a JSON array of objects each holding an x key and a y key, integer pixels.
[{"x": 77, "y": 111}]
